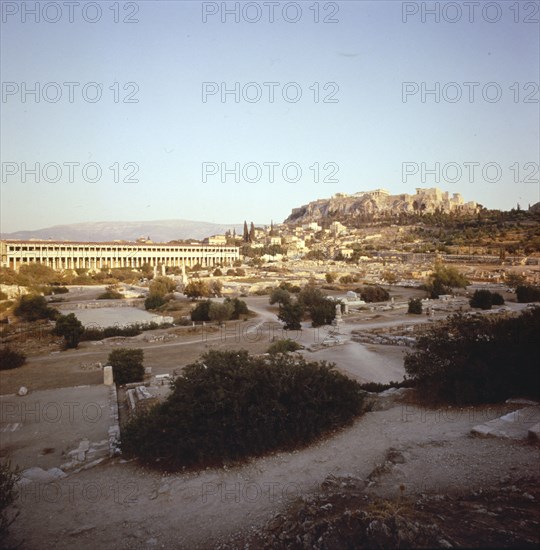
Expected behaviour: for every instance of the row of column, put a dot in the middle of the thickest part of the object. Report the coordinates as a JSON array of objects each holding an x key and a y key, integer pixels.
[{"x": 134, "y": 262}]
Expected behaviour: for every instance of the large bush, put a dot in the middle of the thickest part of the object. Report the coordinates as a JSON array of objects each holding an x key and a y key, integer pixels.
[
  {"x": 484, "y": 299},
  {"x": 220, "y": 312},
  {"x": 9, "y": 477},
  {"x": 229, "y": 405},
  {"x": 321, "y": 309},
  {"x": 70, "y": 328},
  {"x": 291, "y": 314},
  {"x": 283, "y": 346},
  {"x": 479, "y": 359},
  {"x": 481, "y": 299},
  {"x": 153, "y": 301},
  {"x": 32, "y": 307},
  {"x": 526, "y": 293},
  {"x": 415, "y": 306},
  {"x": 111, "y": 293},
  {"x": 239, "y": 307},
  {"x": 444, "y": 279},
  {"x": 11, "y": 359},
  {"x": 98, "y": 333},
  {"x": 127, "y": 365},
  {"x": 201, "y": 312},
  {"x": 374, "y": 294}
]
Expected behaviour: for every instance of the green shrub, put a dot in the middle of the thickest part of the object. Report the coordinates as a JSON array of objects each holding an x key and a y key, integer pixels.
[
  {"x": 291, "y": 314},
  {"x": 330, "y": 277},
  {"x": 279, "y": 296},
  {"x": 93, "y": 333},
  {"x": 111, "y": 293},
  {"x": 239, "y": 307},
  {"x": 527, "y": 293},
  {"x": 154, "y": 301},
  {"x": 220, "y": 312},
  {"x": 32, "y": 307},
  {"x": 484, "y": 299},
  {"x": 11, "y": 359},
  {"x": 478, "y": 359},
  {"x": 127, "y": 364},
  {"x": 376, "y": 387},
  {"x": 481, "y": 299},
  {"x": 444, "y": 279},
  {"x": 415, "y": 306},
  {"x": 283, "y": 346},
  {"x": 3, "y": 295},
  {"x": 229, "y": 405},
  {"x": 59, "y": 290},
  {"x": 70, "y": 328},
  {"x": 8, "y": 493},
  {"x": 201, "y": 312},
  {"x": 374, "y": 294}
]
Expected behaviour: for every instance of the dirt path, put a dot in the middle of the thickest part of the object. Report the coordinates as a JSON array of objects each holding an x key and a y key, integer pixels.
[{"x": 120, "y": 505}]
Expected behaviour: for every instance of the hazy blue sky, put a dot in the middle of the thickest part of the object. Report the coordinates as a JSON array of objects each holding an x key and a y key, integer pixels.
[{"x": 170, "y": 132}]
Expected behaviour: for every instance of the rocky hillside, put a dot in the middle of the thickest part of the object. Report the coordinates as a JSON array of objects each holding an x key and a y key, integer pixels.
[{"x": 368, "y": 205}]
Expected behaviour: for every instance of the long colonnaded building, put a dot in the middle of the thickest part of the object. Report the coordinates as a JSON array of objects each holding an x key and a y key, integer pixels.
[{"x": 93, "y": 256}]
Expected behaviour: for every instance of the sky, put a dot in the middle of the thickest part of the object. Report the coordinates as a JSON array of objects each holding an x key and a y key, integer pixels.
[{"x": 162, "y": 109}]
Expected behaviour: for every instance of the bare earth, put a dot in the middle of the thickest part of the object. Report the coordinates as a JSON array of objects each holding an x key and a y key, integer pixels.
[
  {"x": 120, "y": 505},
  {"x": 400, "y": 451}
]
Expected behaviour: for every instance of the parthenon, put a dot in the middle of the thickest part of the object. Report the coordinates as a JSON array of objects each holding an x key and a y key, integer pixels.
[{"x": 75, "y": 255}]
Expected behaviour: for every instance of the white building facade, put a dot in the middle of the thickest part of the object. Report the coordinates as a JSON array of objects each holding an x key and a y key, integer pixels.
[{"x": 76, "y": 255}]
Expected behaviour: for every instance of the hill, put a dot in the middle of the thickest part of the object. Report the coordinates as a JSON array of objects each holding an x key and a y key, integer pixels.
[
  {"x": 370, "y": 205},
  {"x": 158, "y": 231}
]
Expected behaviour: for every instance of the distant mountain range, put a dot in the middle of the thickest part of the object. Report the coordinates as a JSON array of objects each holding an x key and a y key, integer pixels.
[{"x": 157, "y": 231}]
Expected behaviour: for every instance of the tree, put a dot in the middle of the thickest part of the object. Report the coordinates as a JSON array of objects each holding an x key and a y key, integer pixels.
[
  {"x": 444, "y": 279},
  {"x": 162, "y": 286},
  {"x": 220, "y": 312},
  {"x": 415, "y": 306},
  {"x": 216, "y": 288},
  {"x": 217, "y": 272},
  {"x": 321, "y": 309},
  {"x": 127, "y": 364},
  {"x": 11, "y": 359},
  {"x": 197, "y": 289},
  {"x": 239, "y": 307},
  {"x": 251, "y": 235},
  {"x": 201, "y": 312},
  {"x": 279, "y": 296},
  {"x": 32, "y": 307},
  {"x": 291, "y": 314},
  {"x": 70, "y": 328},
  {"x": 245, "y": 235},
  {"x": 323, "y": 312}
]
